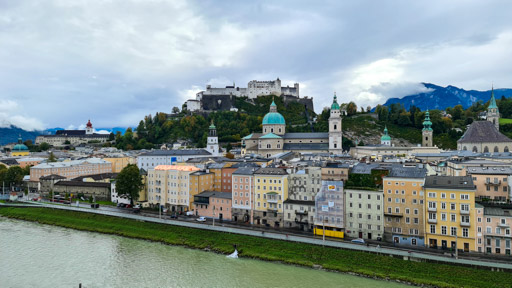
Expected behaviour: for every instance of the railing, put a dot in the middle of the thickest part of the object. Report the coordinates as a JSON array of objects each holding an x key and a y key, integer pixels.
[
  {"x": 393, "y": 214},
  {"x": 432, "y": 221},
  {"x": 503, "y": 225},
  {"x": 432, "y": 209},
  {"x": 272, "y": 209},
  {"x": 464, "y": 212},
  {"x": 272, "y": 200},
  {"x": 489, "y": 182},
  {"x": 465, "y": 224},
  {"x": 300, "y": 212}
]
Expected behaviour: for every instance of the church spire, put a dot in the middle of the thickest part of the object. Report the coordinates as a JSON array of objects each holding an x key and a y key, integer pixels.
[
  {"x": 427, "y": 124},
  {"x": 335, "y": 105},
  {"x": 492, "y": 104}
]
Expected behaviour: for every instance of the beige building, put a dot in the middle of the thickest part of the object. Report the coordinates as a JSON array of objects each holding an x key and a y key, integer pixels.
[
  {"x": 492, "y": 182},
  {"x": 335, "y": 171},
  {"x": 118, "y": 163},
  {"x": 403, "y": 206},
  {"x": 364, "y": 214},
  {"x": 71, "y": 169},
  {"x": 169, "y": 185}
]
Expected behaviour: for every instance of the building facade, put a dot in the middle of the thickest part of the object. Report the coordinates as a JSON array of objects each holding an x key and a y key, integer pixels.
[
  {"x": 364, "y": 214},
  {"x": 404, "y": 205},
  {"x": 154, "y": 158},
  {"x": 492, "y": 182},
  {"x": 71, "y": 169},
  {"x": 450, "y": 215},
  {"x": 330, "y": 209},
  {"x": 243, "y": 194},
  {"x": 211, "y": 204},
  {"x": 73, "y": 137},
  {"x": 271, "y": 189}
]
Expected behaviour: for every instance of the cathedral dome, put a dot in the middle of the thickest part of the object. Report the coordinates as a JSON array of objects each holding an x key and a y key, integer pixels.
[
  {"x": 20, "y": 148},
  {"x": 273, "y": 118}
]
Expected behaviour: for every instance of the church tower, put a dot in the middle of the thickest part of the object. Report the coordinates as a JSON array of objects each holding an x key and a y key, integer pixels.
[
  {"x": 493, "y": 114},
  {"x": 88, "y": 128},
  {"x": 427, "y": 139},
  {"x": 385, "y": 140},
  {"x": 213, "y": 141},
  {"x": 335, "y": 132}
]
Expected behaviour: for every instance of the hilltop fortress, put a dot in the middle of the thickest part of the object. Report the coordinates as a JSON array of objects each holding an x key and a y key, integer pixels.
[{"x": 215, "y": 99}]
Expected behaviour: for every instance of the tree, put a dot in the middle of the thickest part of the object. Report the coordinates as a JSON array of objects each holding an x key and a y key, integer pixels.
[
  {"x": 44, "y": 146},
  {"x": 14, "y": 175},
  {"x": 52, "y": 158},
  {"x": 111, "y": 137},
  {"x": 175, "y": 110},
  {"x": 351, "y": 108},
  {"x": 129, "y": 182}
]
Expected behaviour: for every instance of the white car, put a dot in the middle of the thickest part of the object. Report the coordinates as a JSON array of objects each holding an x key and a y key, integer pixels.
[
  {"x": 201, "y": 219},
  {"x": 358, "y": 241}
]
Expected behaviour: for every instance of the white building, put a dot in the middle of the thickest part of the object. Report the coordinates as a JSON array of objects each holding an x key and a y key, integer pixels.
[
  {"x": 154, "y": 158},
  {"x": 254, "y": 89}
]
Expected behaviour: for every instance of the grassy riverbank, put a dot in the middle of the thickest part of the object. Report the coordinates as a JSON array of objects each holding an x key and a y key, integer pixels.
[{"x": 371, "y": 265}]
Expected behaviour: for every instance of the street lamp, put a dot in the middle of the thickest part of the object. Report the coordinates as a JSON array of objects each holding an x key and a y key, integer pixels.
[{"x": 213, "y": 208}]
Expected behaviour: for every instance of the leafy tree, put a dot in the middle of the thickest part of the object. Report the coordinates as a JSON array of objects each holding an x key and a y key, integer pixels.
[
  {"x": 129, "y": 182},
  {"x": 351, "y": 108},
  {"x": 14, "y": 175},
  {"x": 52, "y": 158},
  {"x": 111, "y": 136},
  {"x": 175, "y": 110},
  {"x": 44, "y": 146}
]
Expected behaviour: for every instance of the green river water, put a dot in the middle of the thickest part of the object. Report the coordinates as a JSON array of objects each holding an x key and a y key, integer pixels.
[{"x": 35, "y": 255}]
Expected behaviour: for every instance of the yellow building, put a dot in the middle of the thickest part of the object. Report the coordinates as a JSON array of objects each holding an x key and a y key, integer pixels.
[
  {"x": 403, "y": 206},
  {"x": 200, "y": 181},
  {"x": 450, "y": 213},
  {"x": 271, "y": 189},
  {"x": 20, "y": 149},
  {"x": 216, "y": 169},
  {"x": 118, "y": 163}
]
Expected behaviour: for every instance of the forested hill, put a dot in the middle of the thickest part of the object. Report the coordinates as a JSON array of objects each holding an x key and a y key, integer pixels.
[{"x": 443, "y": 97}]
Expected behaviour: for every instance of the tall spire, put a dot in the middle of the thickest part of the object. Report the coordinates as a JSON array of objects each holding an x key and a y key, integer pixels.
[
  {"x": 427, "y": 124},
  {"x": 492, "y": 105}
]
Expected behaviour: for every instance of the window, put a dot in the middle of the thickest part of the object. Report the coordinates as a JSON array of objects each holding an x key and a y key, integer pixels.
[
  {"x": 452, "y": 196},
  {"x": 443, "y": 230},
  {"x": 453, "y": 231},
  {"x": 443, "y": 195},
  {"x": 432, "y": 229},
  {"x": 464, "y": 196},
  {"x": 465, "y": 232},
  {"x": 431, "y": 194}
]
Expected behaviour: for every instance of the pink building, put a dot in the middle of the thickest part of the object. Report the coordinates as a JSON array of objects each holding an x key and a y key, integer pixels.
[
  {"x": 211, "y": 204},
  {"x": 243, "y": 194},
  {"x": 492, "y": 182},
  {"x": 497, "y": 224}
]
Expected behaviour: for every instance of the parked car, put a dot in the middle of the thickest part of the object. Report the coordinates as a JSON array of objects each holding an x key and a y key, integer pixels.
[
  {"x": 189, "y": 213},
  {"x": 174, "y": 216},
  {"x": 201, "y": 219},
  {"x": 358, "y": 241}
]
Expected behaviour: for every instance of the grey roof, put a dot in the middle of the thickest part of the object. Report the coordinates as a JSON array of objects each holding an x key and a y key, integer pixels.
[
  {"x": 407, "y": 172},
  {"x": 483, "y": 132},
  {"x": 97, "y": 177},
  {"x": 491, "y": 170},
  {"x": 271, "y": 171},
  {"x": 177, "y": 152},
  {"x": 217, "y": 165},
  {"x": 364, "y": 168},
  {"x": 52, "y": 177},
  {"x": 10, "y": 161},
  {"x": 306, "y": 146},
  {"x": 77, "y": 136},
  {"x": 215, "y": 194},
  {"x": 307, "y": 135},
  {"x": 198, "y": 173},
  {"x": 245, "y": 171},
  {"x": 336, "y": 165},
  {"x": 450, "y": 182},
  {"x": 83, "y": 184},
  {"x": 245, "y": 164}
]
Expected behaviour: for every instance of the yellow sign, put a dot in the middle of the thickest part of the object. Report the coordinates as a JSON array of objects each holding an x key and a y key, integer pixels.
[{"x": 331, "y": 187}]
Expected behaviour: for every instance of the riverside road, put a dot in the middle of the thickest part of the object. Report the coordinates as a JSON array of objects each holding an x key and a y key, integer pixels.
[{"x": 418, "y": 255}]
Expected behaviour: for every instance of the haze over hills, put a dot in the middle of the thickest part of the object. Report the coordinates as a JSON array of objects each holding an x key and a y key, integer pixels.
[{"x": 442, "y": 97}]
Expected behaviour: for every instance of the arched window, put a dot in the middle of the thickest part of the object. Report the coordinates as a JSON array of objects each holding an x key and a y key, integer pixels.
[
  {"x": 272, "y": 130},
  {"x": 496, "y": 149},
  {"x": 279, "y": 130},
  {"x": 335, "y": 126},
  {"x": 486, "y": 149},
  {"x": 506, "y": 149},
  {"x": 475, "y": 149},
  {"x": 465, "y": 148}
]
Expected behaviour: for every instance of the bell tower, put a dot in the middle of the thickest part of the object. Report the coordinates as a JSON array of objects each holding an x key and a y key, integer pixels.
[
  {"x": 427, "y": 134},
  {"x": 335, "y": 131},
  {"x": 213, "y": 141},
  {"x": 493, "y": 114}
]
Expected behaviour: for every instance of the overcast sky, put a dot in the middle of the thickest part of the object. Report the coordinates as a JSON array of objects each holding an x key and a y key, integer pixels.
[{"x": 63, "y": 62}]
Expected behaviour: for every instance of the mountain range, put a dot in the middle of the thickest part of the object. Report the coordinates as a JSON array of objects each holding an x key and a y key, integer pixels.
[
  {"x": 10, "y": 134},
  {"x": 441, "y": 98}
]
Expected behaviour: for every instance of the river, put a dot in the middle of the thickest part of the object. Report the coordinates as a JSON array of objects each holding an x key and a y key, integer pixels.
[{"x": 35, "y": 255}]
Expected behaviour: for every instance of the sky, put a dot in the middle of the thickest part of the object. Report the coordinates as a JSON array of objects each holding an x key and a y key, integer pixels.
[{"x": 64, "y": 62}]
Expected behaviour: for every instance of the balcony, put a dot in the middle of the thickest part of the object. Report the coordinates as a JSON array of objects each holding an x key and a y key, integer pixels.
[
  {"x": 301, "y": 221},
  {"x": 494, "y": 183},
  {"x": 465, "y": 224},
  {"x": 432, "y": 221},
  {"x": 464, "y": 212},
  {"x": 393, "y": 214},
  {"x": 271, "y": 200},
  {"x": 503, "y": 225},
  {"x": 300, "y": 212},
  {"x": 273, "y": 210},
  {"x": 432, "y": 209}
]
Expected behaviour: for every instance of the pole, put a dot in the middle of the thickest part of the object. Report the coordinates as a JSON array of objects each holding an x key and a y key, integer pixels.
[
  {"x": 160, "y": 210},
  {"x": 456, "y": 244},
  {"x": 323, "y": 229},
  {"x": 213, "y": 223}
]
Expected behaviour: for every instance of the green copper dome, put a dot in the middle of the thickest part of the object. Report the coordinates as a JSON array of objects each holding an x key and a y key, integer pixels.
[
  {"x": 385, "y": 137},
  {"x": 20, "y": 147},
  {"x": 335, "y": 105},
  {"x": 492, "y": 105},
  {"x": 273, "y": 118},
  {"x": 427, "y": 124}
]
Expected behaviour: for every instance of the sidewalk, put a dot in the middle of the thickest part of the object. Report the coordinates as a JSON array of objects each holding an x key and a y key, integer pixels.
[{"x": 221, "y": 227}]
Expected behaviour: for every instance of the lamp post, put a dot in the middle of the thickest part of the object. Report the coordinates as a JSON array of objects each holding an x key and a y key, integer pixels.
[
  {"x": 213, "y": 208},
  {"x": 456, "y": 244}
]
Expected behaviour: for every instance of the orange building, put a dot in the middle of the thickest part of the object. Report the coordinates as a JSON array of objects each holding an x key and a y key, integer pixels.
[
  {"x": 492, "y": 182},
  {"x": 200, "y": 181},
  {"x": 213, "y": 204},
  {"x": 226, "y": 185}
]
